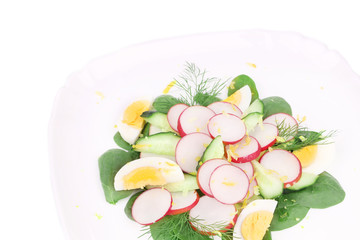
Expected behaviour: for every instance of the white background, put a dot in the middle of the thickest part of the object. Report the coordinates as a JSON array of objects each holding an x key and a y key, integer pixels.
[{"x": 42, "y": 42}]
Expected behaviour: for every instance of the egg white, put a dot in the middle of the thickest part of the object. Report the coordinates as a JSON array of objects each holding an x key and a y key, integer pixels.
[
  {"x": 128, "y": 133},
  {"x": 254, "y": 206},
  {"x": 245, "y": 93},
  {"x": 170, "y": 170},
  {"x": 324, "y": 157}
]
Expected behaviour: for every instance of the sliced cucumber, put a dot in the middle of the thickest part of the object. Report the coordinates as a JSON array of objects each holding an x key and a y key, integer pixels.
[
  {"x": 269, "y": 185},
  {"x": 251, "y": 120},
  {"x": 189, "y": 183},
  {"x": 157, "y": 119},
  {"x": 214, "y": 150},
  {"x": 154, "y": 130},
  {"x": 160, "y": 143},
  {"x": 307, "y": 179},
  {"x": 256, "y": 106}
]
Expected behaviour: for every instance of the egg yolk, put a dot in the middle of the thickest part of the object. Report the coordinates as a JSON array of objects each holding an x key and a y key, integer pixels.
[
  {"x": 132, "y": 113},
  {"x": 143, "y": 176},
  {"x": 306, "y": 155},
  {"x": 255, "y": 225},
  {"x": 234, "y": 98}
]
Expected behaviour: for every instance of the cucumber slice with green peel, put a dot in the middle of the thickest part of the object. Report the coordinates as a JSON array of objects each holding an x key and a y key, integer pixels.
[
  {"x": 160, "y": 143},
  {"x": 306, "y": 180},
  {"x": 256, "y": 106},
  {"x": 251, "y": 120},
  {"x": 146, "y": 130},
  {"x": 157, "y": 119},
  {"x": 188, "y": 184},
  {"x": 214, "y": 150},
  {"x": 269, "y": 185}
]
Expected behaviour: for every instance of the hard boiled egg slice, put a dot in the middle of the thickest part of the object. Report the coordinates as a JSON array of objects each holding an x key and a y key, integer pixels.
[
  {"x": 131, "y": 124},
  {"x": 316, "y": 158},
  {"x": 254, "y": 220},
  {"x": 147, "y": 171},
  {"x": 241, "y": 98}
]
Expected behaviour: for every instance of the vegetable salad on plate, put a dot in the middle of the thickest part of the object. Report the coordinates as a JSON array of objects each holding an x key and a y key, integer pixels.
[{"x": 198, "y": 166}]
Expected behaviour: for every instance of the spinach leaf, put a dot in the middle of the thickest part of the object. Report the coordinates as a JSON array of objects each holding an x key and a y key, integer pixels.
[
  {"x": 130, "y": 203},
  {"x": 274, "y": 105},
  {"x": 109, "y": 164},
  {"x": 121, "y": 142},
  {"x": 239, "y": 82},
  {"x": 205, "y": 99},
  {"x": 267, "y": 235},
  {"x": 287, "y": 213},
  {"x": 324, "y": 193},
  {"x": 164, "y": 102}
]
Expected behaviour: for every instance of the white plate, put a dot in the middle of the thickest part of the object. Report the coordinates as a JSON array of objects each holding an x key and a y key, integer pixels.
[{"x": 315, "y": 80}]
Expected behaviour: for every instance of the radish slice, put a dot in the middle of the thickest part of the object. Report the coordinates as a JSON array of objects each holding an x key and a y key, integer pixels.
[
  {"x": 253, "y": 184},
  {"x": 194, "y": 119},
  {"x": 229, "y": 184},
  {"x": 283, "y": 120},
  {"x": 265, "y": 134},
  {"x": 221, "y": 107},
  {"x": 244, "y": 151},
  {"x": 284, "y": 165},
  {"x": 208, "y": 211},
  {"x": 151, "y": 206},
  {"x": 189, "y": 150},
  {"x": 183, "y": 202},
  {"x": 231, "y": 128},
  {"x": 174, "y": 114},
  {"x": 204, "y": 174},
  {"x": 246, "y": 167}
]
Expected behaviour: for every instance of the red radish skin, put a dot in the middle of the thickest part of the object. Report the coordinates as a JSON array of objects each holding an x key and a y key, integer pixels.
[
  {"x": 146, "y": 204},
  {"x": 231, "y": 128},
  {"x": 174, "y": 114},
  {"x": 209, "y": 211},
  {"x": 244, "y": 151},
  {"x": 248, "y": 168},
  {"x": 284, "y": 164},
  {"x": 253, "y": 183},
  {"x": 187, "y": 203},
  {"x": 194, "y": 119},
  {"x": 265, "y": 135},
  {"x": 189, "y": 150},
  {"x": 221, "y": 107},
  {"x": 229, "y": 184},
  {"x": 204, "y": 174},
  {"x": 279, "y": 118}
]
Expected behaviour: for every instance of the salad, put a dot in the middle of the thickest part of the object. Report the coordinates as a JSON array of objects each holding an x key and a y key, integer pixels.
[{"x": 199, "y": 166}]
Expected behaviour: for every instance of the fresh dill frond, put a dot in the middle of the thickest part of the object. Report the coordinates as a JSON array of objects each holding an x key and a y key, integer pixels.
[
  {"x": 305, "y": 138},
  {"x": 178, "y": 227},
  {"x": 195, "y": 82}
]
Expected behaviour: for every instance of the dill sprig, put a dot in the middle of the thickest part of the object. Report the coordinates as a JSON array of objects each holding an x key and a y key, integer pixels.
[
  {"x": 178, "y": 227},
  {"x": 302, "y": 137},
  {"x": 194, "y": 82}
]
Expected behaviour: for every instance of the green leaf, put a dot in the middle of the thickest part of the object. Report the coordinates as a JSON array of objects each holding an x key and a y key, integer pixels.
[
  {"x": 130, "y": 203},
  {"x": 146, "y": 130},
  {"x": 287, "y": 213},
  {"x": 324, "y": 193},
  {"x": 164, "y": 102},
  {"x": 109, "y": 164},
  {"x": 121, "y": 142},
  {"x": 205, "y": 99},
  {"x": 239, "y": 82},
  {"x": 274, "y": 105},
  {"x": 267, "y": 235}
]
